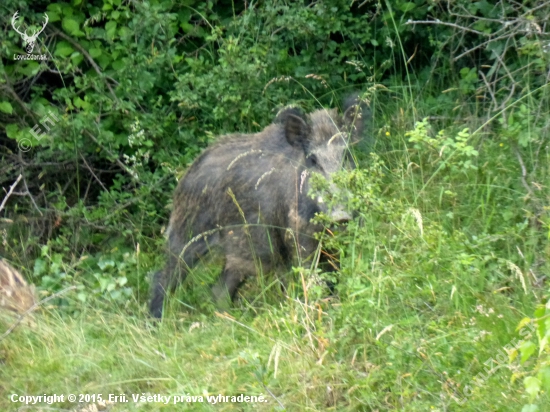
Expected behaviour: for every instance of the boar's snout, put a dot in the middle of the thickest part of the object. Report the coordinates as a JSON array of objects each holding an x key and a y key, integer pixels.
[
  {"x": 339, "y": 213},
  {"x": 340, "y": 216}
]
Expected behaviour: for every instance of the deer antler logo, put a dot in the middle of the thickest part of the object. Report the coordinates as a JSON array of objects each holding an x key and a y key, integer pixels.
[{"x": 30, "y": 41}]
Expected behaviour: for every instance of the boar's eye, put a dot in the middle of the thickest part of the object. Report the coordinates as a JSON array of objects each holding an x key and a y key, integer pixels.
[{"x": 312, "y": 161}]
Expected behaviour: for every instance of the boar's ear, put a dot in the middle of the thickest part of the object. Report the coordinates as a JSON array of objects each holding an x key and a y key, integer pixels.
[
  {"x": 356, "y": 114},
  {"x": 295, "y": 126}
]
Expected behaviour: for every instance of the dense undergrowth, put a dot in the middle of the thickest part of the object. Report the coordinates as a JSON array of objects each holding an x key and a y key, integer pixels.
[{"x": 440, "y": 302}]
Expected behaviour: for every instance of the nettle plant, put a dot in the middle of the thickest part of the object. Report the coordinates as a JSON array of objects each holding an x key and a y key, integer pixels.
[
  {"x": 453, "y": 151},
  {"x": 360, "y": 190},
  {"x": 109, "y": 275}
]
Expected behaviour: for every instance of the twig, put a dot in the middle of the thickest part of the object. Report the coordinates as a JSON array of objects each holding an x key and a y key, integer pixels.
[
  {"x": 505, "y": 102},
  {"x": 18, "y": 100},
  {"x": 32, "y": 198},
  {"x": 117, "y": 160},
  {"x": 443, "y": 23},
  {"x": 12, "y": 187},
  {"x": 505, "y": 67},
  {"x": 273, "y": 396},
  {"x": 483, "y": 44},
  {"x": 489, "y": 89},
  {"x": 93, "y": 174},
  {"x": 32, "y": 308},
  {"x": 89, "y": 58},
  {"x": 42, "y": 164},
  {"x": 523, "y": 173}
]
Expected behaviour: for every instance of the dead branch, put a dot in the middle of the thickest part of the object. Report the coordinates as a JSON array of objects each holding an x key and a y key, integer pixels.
[
  {"x": 32, "y": 199},
  {"x": 444, "y": 23},
  {"x": 523, "y": 173},
  {"x": 117, "y": 160},
  {"x": 12, "y": 187},
  {"x": 93, "y": 174}
]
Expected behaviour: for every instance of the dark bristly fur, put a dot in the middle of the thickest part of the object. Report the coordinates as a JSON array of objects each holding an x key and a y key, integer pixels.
[{"x": 247, "y": 196}]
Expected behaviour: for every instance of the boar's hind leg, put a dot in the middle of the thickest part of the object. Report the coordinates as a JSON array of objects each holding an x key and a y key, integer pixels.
[
  {"x": 173, "y": 274},
  {"x": 235, "y": 271},
  {"x": 158, "y": 292}
]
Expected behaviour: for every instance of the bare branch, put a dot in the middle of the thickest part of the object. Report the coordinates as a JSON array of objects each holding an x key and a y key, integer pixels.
[
  {"x": 504, "y": 36},
  {"x": 489, "y": 89},
  {"x": 12, "y": 187},
  {"x": 93, "y": 174},
  {"x": 32, "y": 198},
  {"x": 443, "y": 23},
  {"x": 117, "y": 160},
  {"x": 523, "y": 173}
]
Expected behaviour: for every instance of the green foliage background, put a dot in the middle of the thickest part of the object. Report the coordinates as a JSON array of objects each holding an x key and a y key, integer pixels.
[{"x": 453, "y": 212}]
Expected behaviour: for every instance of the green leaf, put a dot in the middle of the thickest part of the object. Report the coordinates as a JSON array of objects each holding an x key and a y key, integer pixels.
[
  {"x": 103, "y": 283},
  {"x": 70, "y": 26},
  {"x": 77, "y": 58},
  {"x": 544, "y": 376},
  {"x": 53, "y": 16},
  {"x": 30, "y": 68},
  {"x": 81, "y": 104},
  {"x": 54, "y": 8},
  {"x": 186, "y": 27},
  {"x": 119, "y": 65},
  {"x": 124, "y": 32},
  {"x": 110, "y": 29},
  {"x": 108, "y": 263},
  {"x": 540, "y": 311},
  {"x": 6, "y": 107},
  {"x": 12, "y": 130},
  {"x": 523, "y": 323},
  {"x": 532, "y": 386},
  {"x": 530, "y": 408},
  {"x": 405, "y": 7},
  {"x": 103, "y": 61},
  {"x": 527, "y": 348},
  {"x": 63, "y": 49},
  {"x": 95, "y": 52},
  {"x": 39, "y": 267}
]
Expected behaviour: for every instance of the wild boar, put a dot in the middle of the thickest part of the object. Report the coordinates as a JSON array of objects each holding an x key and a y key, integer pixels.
[{"x": 247, "y": 197}]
